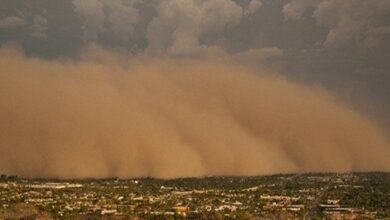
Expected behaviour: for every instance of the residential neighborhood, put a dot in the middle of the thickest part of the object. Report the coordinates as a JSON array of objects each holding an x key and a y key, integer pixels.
[{"x": 302, "y": 196}]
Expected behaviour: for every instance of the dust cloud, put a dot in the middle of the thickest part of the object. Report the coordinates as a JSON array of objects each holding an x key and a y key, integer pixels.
[{"x": 109, "y": 115}]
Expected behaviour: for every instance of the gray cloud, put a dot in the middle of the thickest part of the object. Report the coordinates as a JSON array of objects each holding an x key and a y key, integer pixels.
[
  {"x": 296, "y": 8},
  {"x": 92, "y": 13},
  {"x": 101, "y": 15},
  {"x": 122, "y": 16},
  {"x": 179, "y": 24},
  {"x": 12, "y": 22},
  {"x": 252, "y": 7},
  {"x": 259, "y": 55},
  {"x": 357, "y": 22},
  {"x": 349, "y": 21},
  {"x": 39, "y": 27}
]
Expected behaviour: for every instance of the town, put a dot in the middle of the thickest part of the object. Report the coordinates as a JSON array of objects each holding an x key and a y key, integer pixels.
[{"x": 288, "y": 196}]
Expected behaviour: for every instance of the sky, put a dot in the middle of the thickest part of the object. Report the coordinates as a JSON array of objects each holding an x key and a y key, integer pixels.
[{"x": 82, "y": 76}]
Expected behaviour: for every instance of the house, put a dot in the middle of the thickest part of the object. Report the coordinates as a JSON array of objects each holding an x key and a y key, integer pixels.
[{"x": 181, "y": 210}]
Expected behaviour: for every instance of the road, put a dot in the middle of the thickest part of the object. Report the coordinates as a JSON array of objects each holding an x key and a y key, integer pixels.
[{"x": 312, "y": 208}]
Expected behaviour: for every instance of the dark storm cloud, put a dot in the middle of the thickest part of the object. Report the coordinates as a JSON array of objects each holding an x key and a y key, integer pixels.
[
  {"x": 51, "y": 27},
  {"x": 359, "y": 22}
]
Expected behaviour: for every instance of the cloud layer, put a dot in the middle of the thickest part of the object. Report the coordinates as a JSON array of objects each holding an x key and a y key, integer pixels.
[
  {"x": 102, "y": 15},
  {"x": 12, "y": 22},
  {"x": 180, "y": 24},
  {"x": 107, "y": 115},
  {"x": 358, "y": 22}
]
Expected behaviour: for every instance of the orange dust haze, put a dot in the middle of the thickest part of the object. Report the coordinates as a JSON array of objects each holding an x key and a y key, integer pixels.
[{"x": 130, "y": 117}]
